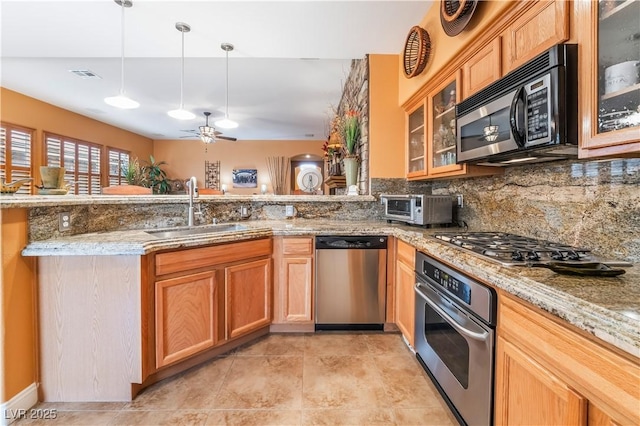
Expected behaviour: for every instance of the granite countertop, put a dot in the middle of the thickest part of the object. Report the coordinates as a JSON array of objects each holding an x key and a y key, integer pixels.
[
  {"x": 608, "y": 308},
  {"x": 22, "y": 201}
]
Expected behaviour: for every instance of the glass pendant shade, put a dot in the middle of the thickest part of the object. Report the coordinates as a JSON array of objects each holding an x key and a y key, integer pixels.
[
  {"x": 225, "y": 123},
  {"x": 181, "y": 113},
  {"x": 121, "y": 100},
  {"x": 207, "y": 134}
]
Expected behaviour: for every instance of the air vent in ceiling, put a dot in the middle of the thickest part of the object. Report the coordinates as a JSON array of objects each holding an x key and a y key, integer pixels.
[{"x": 85, "y": 74}]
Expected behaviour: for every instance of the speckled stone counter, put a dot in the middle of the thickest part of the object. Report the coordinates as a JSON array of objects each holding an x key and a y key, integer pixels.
[{"x": 608, "y": 308}]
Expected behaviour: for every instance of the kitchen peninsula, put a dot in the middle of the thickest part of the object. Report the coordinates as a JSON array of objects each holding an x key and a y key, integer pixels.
[{"x": 602, "y": 309}]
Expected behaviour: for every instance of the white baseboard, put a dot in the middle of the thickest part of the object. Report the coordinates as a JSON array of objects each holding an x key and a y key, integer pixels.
[{"x": 19, "y": 405}]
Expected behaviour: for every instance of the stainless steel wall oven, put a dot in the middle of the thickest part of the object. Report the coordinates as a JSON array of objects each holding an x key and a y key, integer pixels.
[{"x": 455, "y": 338}]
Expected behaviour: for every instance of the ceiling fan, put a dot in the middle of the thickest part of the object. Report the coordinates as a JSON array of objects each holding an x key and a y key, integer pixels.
[{"x": 208, "y": 134}]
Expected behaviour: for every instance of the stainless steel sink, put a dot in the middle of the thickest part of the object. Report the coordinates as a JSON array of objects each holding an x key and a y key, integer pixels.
[{"x": 213, "y": 229}]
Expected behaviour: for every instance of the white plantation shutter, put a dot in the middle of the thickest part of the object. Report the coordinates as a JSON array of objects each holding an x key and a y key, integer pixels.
[
  {"x": 117, "y": 159},
  {"x": 81, "y": 161},
  {"x": 15, "y": 155}
]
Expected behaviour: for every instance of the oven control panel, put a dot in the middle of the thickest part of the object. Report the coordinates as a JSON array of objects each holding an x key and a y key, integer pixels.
[{"x": 453, "y": 285}]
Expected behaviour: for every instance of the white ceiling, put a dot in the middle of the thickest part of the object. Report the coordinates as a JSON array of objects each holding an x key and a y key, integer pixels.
[{"x": 286, "y": 71}]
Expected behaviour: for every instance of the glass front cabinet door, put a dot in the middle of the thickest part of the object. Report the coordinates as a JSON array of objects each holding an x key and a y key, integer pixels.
[
  {"x": 416, "y": 149},
  {"x": 611, "y": 109},
  {"x": 441, "y": 150}
]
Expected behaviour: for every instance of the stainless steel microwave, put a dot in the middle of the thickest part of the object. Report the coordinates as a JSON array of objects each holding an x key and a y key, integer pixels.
[
  {"x": 418, "y": 209},
  {"x": 529, "y": 115}
]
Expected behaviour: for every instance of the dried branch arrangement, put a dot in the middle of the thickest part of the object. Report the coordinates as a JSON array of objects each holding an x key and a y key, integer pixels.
[{"x": 278, "y": 168}]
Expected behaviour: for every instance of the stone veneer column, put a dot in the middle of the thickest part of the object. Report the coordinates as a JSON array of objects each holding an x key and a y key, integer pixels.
[{"x": 355, "y": 96}]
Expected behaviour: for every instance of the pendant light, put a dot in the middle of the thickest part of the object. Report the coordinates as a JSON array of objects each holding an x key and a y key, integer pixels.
[
  {"x": 226, "y": 123},
  {"x": 207, "y": 133},
  {"x": 121, "y": 100},
  {"x": 181, "y": 113}
]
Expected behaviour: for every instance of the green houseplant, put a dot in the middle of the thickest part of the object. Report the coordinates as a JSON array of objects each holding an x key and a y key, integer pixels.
[
  {"x": 157, "y": 177},
  {"x": 134, "y": 173},
  {"x": 351, "y": 138}
]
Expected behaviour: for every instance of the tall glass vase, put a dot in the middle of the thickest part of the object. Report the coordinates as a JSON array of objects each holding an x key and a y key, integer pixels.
[{"x": 351, "y": 170}]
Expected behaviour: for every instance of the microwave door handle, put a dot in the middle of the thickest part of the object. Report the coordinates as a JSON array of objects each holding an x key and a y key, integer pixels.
[
  {"x": 518, "y": 135},
  {"x": 465, "y": 332}
]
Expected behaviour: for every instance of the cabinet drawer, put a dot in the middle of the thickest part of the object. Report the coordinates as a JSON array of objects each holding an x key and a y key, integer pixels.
[
  {"x": 297, "y": 246},
  {"x": 406, "y": 254},
  {"x": 190, "y": 259}
]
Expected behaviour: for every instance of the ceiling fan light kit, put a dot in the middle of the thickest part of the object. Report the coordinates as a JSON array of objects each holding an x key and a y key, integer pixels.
[
  {"x": 227, "y": 123},
  {"x": 207, "y": 133},
  {"x": 181, "y": 113},
  {"x": 121, "y": 100}
]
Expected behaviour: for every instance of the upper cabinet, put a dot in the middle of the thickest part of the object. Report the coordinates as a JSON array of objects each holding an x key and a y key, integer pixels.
[
  {"x": 543, "y": 25},
  {"x": 431, "y": 133},
  {"x": 442, "y": 126},
  {"x": 482, "y": 69},
  {"x": 416, "y": 147},
  {"x": 610, "y": 100}
]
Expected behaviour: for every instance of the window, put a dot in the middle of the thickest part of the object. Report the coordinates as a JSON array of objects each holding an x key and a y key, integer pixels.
[
  {"x": 15, "y": 155},
  {"x": 80, "y": 159},
  {"x": 118, "y": 161}
]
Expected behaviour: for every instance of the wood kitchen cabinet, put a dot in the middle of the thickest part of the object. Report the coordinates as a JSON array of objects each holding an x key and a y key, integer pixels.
[
  {"x": 431, "y": 133},
  {"x": 248, "y": 297},
  {"x": 293, "y": 288},
  {"x": 404, "y": 292},
  {"x": 543, "y": 25},
  {"x": 187, "y": 315},
  {"x": 482, "y": 69},
  {"x": 547, "y": 373},
  {"x": 206, "y": 296},
  {"x": 610, "y": 97}
]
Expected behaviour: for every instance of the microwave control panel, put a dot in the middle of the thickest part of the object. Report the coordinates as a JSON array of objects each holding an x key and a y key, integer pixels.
[{"x": 539, "y": 111}]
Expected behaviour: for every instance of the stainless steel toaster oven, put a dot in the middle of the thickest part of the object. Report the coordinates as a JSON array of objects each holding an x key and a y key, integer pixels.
[{"x": 418, "y": 209}]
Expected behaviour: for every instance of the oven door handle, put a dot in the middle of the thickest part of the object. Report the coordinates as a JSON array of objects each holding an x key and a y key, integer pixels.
[{"x": 483, "y": 337}]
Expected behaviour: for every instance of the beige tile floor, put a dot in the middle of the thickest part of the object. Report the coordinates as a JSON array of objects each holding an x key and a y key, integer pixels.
[{"x": 284, "y": 379}]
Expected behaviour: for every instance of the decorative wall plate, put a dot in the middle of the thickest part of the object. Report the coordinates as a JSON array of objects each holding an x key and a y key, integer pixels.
[
  {"x": 456, "y": 14},
  {"x": 417, "y": 49}
]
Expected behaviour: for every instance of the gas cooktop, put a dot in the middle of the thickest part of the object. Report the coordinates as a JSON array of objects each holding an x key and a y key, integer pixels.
[{"x": 515, "y": 250}]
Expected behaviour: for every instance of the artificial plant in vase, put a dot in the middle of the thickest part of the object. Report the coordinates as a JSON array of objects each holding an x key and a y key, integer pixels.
[{"x": 351, "y": 138}]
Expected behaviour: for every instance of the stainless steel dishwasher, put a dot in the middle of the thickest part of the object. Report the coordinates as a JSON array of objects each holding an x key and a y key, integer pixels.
[{"x": 351, "y": 275}]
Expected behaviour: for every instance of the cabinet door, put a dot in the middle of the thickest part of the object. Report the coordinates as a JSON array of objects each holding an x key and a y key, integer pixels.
[
  {"x": 482, "y": 69},
  {"x": 527, "y": 394},
  {"x": 186, "y": 313},
  {"x": 248, "y": 297},
  {"x": 405, "y": 295},
  {"x": 416, "y": 147},
  {"x": 544, "y": 25},
  {"x": 610, "y": 98},
  {"x": 441, "y": 146},
  {"x": 296, "y": 289}
]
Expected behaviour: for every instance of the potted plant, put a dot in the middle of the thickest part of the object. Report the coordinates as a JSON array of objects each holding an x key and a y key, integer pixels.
[
  {"x": 351, "y": 137},
  {"x": 157, "y": 178},
  {"x": 137, "y": 182}
]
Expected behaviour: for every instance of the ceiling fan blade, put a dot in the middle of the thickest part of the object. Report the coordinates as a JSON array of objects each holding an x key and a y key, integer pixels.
[{"x": 226, "y": 138}]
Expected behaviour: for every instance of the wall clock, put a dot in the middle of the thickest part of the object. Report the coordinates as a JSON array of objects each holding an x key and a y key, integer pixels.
[
  {"x": 309, "y": 180},
  {"x": 417, "y": 48}
]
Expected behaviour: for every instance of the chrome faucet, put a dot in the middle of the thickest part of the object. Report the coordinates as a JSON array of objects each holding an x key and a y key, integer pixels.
[{"x": 193, "y": 193}]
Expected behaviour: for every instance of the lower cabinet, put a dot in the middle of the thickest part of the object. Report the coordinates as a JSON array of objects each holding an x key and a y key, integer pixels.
[
  {"x": 248, "y": 301},
  {"x": 206, "y": 296},
  {"x": 547, "y": 373},
  {"x": 531, "y": 394},
  {"x": 293, "y": 289},
  {"x": 405, "y": 294},
  {"x": 186, "y": 315}
]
